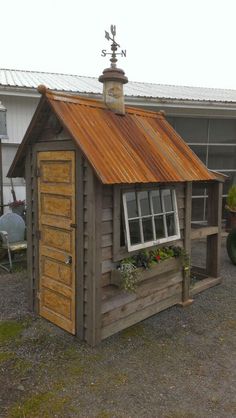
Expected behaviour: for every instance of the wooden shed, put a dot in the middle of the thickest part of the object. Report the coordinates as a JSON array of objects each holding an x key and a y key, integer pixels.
[{"x": 102, "y": 187}]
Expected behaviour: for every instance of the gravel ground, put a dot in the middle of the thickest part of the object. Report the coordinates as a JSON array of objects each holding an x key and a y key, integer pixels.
[{"x": 180, "y": 363}]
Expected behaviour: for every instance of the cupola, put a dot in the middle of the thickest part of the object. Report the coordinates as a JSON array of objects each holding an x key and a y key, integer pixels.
[{"x": 113, "y": 78}]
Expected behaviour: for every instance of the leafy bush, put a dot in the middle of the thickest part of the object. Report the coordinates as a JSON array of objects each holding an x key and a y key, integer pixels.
[
  {"x": 129, "y": 275},
  {"x": 231, "y": 198}
]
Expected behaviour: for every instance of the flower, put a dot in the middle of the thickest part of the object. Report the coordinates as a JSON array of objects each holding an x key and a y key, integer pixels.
[{"x": 158, "y": 257}]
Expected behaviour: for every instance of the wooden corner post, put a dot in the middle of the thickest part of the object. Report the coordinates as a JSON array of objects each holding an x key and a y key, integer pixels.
[
  {"x": 94, "y": 258},
  {"x": 214, "y": 215},
  {"x": 186, "y": 300}
]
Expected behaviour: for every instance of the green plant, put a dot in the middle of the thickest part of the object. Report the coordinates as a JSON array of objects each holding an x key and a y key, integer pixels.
[
  {"x": 184, "y": 257},
  {"x": 143, "y": 259},
  {"x": 129, "y": 267},
  {"x": 231, "y": 199},
  {"x": 162, "y": 254},
  {"x": 129, "y": 275}
]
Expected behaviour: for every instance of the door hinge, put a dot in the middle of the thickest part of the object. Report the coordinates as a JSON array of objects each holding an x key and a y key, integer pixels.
[
  {"x": 37, "y": 172},
  {"x": 38, "y": 234}
]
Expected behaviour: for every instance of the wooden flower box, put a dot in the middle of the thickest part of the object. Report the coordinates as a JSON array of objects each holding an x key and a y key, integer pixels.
[{"x": 167, "y": 267}]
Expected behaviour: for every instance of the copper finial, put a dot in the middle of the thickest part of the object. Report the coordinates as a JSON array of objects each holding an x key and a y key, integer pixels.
[{"x": 42, "y": 89}]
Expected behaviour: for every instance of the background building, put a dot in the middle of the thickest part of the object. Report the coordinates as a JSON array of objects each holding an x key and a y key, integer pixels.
[{"x": 204, "y": 117}]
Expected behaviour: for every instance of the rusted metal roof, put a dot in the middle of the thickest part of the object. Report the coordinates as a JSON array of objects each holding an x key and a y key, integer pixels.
[{"x": 139, "y": 147}]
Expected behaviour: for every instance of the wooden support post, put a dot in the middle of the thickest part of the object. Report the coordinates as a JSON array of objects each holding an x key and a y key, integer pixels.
[
  {"x": 79, "y": 196},
  {"x": 214, "y": 214},
  {"x": 94, "y": 258},
  {"x": 28, "y": 179},
  {"x": 1, "y": 181},
  {"x": 34, "y": 230},
  {"x": 186, "y": 300}
]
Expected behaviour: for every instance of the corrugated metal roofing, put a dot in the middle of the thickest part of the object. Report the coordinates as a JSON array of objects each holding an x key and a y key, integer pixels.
[
  {"x": 90, "y": 85},
  {"x": 139, "y": 147}
]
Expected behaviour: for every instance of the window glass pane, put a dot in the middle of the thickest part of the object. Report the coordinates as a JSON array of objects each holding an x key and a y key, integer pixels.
[
  {"x": 222, "y": 131},
  {"x": 168, "y": 204},
  {"x": 131, "y": 202},
  {"x": 192, "y": 129},
  {"x": 200, "y": 151},
  {"x": 171, "y": 120},
  {"x": 198, "y": 189},
  {"x": 144, "y": 203},
  {"x": 170, "y": 223},
  {"x": 156, "y": 201},
  {"x": 222, "y": 157},
  {"x": 147, "y": 229},
  {"x": 134, "y": 230},
  {"x": 198, "y": 211},
  {"x": 159, "y": 226}
]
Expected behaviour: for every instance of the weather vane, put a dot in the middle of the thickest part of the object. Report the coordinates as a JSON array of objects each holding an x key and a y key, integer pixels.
[{"x": 114, "y": 47}]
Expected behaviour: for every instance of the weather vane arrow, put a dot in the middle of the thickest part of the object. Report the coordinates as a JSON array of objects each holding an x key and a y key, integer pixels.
[{"x": 114, "y": 47}]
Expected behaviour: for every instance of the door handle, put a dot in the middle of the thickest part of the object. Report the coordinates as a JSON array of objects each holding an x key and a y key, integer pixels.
[{"x": 68, "y": 260}]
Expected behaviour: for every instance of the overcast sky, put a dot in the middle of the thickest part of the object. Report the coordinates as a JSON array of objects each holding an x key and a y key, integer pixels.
[{"x": 184, "y": 42}]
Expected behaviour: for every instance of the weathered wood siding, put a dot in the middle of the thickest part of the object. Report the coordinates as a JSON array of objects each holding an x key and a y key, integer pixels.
[
  {"x": 151, "y": 296},
  {"x": 159, "y": 292},
  {"x": 31, "y": 194},
  {"x": 107, "y": 234},
  {"x": 92, "y": 254},
  {"x": 86, "y": 243}
]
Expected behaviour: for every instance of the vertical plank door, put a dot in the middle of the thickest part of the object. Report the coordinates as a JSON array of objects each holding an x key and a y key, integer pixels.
[{"x": 56, "y": 212}]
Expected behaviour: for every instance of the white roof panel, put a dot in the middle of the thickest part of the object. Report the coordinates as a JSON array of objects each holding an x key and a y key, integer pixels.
[{"x": 82, "y": 84}]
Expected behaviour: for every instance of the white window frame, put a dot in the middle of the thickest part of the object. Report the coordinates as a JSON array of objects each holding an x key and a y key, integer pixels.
[{"x": 152, "y": 215}]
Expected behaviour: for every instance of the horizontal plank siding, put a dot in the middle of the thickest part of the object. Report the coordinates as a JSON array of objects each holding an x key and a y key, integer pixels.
[
  {"x": 159, "y": 290},
  {"x": 140, "y": 303},
  {"x": 140, "y": 315},
  {"x": 152, "y": 295},
  {"x": 107, "y": 234}
]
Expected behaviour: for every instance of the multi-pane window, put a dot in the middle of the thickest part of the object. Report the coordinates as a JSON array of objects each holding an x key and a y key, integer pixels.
[
  {"x": 214, "y": 142},
  {"x": 151, "y": 217}
]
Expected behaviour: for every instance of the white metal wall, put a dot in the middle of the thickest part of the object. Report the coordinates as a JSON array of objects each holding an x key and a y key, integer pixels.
[
  {"x": 19, "y": 114},
  {"x": 8, "y": 154}
]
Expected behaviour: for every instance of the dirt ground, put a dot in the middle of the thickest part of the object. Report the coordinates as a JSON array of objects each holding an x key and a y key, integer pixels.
[{"x": 180, "y": 363}]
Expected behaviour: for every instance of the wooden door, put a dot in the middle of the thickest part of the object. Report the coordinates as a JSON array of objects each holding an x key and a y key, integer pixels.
[{"x": 56, "y": 212}]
